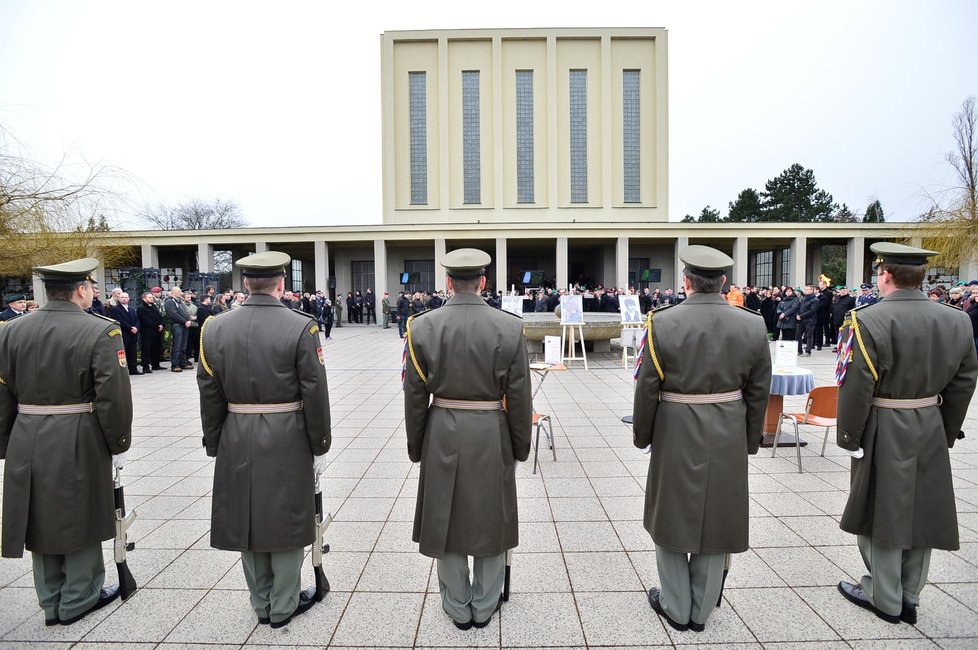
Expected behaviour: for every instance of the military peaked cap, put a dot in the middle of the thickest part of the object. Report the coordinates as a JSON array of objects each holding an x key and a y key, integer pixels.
[
  {"x": 900, "y": 254},
  {"x": 466, "y": 263},
  {"x": 14, "y": 297},
  {"x": 705, "y": 261},
  {"x": 264, "y": 265},
  {"x": 73, "y": 271}
]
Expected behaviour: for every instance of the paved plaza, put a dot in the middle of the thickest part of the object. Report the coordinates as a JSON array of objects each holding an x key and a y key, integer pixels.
[{"x": 584, "y": 563}]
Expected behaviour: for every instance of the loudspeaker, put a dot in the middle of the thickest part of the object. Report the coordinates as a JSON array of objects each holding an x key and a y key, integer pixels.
[{"x": 332, "y": 282}]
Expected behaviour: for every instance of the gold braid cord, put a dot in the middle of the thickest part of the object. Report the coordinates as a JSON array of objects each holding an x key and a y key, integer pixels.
[
  {"x": 649, "y": 341},
  {"x": 414, "y": 359},
  {"x": 203, "y": 358},
  {"x": 862, "y": 346}
]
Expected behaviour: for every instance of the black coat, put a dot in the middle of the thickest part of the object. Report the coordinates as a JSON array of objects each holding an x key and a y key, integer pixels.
[
  {"x": 840, "y": 306},
  {"x": 824, "y": 312},
  {"x": 127, "y": 319},
  {"x": 150, "y": 319}
]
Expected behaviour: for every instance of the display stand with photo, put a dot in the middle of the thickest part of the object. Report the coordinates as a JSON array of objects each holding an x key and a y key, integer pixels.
[
  {"x": 630, "y": 310},
  {"x": 513, "y": 304},
  {"x": 631, "y": 335},
  {"x": 572, "y": 329}
]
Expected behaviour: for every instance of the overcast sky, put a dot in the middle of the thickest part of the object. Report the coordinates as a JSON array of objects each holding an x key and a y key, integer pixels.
[{"x": 276, "y": 105}]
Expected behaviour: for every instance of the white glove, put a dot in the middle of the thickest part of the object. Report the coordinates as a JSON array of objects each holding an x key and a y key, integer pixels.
[
  {"x": 857, "y": 454},
  {"x": 647, "y": 450},
  {"x": 119, "y": 460},
  {"x": 318, "y": 464}
]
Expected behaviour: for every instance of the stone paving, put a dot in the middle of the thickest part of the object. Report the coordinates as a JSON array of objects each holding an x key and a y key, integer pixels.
[{"x": 582, "y": 569}]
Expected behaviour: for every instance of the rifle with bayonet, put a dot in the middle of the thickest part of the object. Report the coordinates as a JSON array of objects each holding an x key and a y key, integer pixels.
[
  {"x": 318, "y": 547},
  {"x": 127, "y": 584}
]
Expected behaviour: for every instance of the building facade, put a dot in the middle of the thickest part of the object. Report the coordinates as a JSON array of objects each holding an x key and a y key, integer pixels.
[{"x": 548, "y": 149}]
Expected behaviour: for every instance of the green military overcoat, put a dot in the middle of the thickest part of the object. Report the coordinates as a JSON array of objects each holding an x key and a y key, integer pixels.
[
  {"x": 901, "y": 493},
  {"x": 467, "y": 350},
  {"x": 696, "y": 492},
  {"x": 57, "y": 483},
  {"x": 263, "y": 353}
]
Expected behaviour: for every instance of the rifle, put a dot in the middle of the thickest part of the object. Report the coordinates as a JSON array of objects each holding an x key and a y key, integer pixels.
[
  {"x": 509, "y": 566},
  {"x": 726, "y": 569},
  {"x": 318, "y": 547},
  {"x": 127, "y": 584}
]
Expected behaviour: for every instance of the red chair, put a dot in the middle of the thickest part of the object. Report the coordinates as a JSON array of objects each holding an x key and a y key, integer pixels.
[{"x": 820, "y": 411}]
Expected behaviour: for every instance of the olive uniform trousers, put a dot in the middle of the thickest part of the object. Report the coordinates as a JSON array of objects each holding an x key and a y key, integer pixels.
[
  {"x": 689, "y": 584},
  {"x": 274, "y": 580},
  {"x": 468, "y": 601},
  {"x": 896, "y": 576},
  {"x": 68, "y": 584}
]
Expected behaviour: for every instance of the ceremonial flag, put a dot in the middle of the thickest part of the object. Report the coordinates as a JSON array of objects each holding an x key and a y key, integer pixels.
[
  {"x": 843, "y": 357},
  {"x": 640, "y": 354},
  {"x": 404, "y": 362}
]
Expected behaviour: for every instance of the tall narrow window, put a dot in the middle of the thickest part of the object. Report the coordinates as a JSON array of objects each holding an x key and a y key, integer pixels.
[
  {"x": 418, "y": 118},
  {"x": 297, "y": 275},
  {"x": 631, "y": 136},
  {"x": 578, "y": 136},
  {"x": 471, "y": 159},
  {"x": 524, "y": 136}
]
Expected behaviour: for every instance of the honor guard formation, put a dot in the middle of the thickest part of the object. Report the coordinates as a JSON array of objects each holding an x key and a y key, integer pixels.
[{"x": 702, "y": 381}]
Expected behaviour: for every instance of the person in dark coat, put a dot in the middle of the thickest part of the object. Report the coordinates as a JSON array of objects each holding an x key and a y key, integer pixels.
[
  {"x": 65, "y": 420},
  {"x": 125, "y": 315},
  {"x": 701, "y": 393},
  {"x": 751, "y": 300},
  {"x": 907, "y": 368},
  {"x": 788, "y": 314},
  {"x": 769, "y": 313},
  {"x": 150, "y": 333},
  {"x": 358, "y": 307},
  {"x": 351, "y": 308},
  {"x": 370, "y": 305},
  {"x": 16, "y": 306},
  {"x": 841, "y": 304},
  {"x": 807, "y": 315},
  {"x": 403, "y": 311},
  {"x": 823, "y": 316},
  {"x": 469, "y": 358},
  {"x": 176, "y": 310},
  {"x": 264, "y": 408}
]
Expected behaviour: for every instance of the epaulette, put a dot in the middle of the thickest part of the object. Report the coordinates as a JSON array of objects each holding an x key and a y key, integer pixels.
[
  {"x": 421, "y": 313},
  {"x": 111, "y": 320},
  {"x": 302, "y": 313},
  {"x": 865, "y": 305},
  {"x": 520, "y": 316},
  {"x": 661, "y": 308},
  {"x": 748, "y": 310}
]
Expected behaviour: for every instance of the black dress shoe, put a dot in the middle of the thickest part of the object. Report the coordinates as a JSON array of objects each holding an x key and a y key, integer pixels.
[
  {"x": 476, "y": 624},
  {"x": 307, "y": 598},
  {"x": 462, "y": 626},
  {"x": 657, "y": 606},
  {"x": 52, "y": 621},
  {"x": 147, "y": 371},
  {"x": 697, "y": 627},
  {"x": 158, "y": 368},
  {"x": 854, "y": 594},
  {"x": 135, "y": 372},
  {"x": 264, "y": 620},
  {"x": 909, "y": 614},
  {"x": 106, "y": 596}
]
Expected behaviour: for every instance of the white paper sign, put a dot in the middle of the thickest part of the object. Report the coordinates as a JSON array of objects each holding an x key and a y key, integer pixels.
[
  {"x": 551, "y": 349},
  {"x": 630, "y": 312},
  {"x": 571, "y": 310},
  {"x": 513, "y": 304},
  {"x": 786, "y": 354},
  {"x": 630, "y": 337}
]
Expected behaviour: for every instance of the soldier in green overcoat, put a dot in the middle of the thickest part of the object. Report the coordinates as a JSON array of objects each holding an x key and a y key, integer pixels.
[
  {"x": 264, "y": 408},
  {"x": 907, "y": 370},
  {"x": 468, "y": 413},
  {"x": 65, "y": 419},
  {"x": 702, "y": 385}
]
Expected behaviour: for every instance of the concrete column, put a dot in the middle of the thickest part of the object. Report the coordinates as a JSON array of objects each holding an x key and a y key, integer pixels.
[
  {"x": 321, "y": 260},
  {"x": 968, "y": 270},
  {"x": 677, "y": 283},
  {"x": 561, "y": 263},
  {"x": 502, "y": 267},
  {"x": 799, "y": 261},
  {"x": 380, "y": 268},
  {"x": 40, "y": 297},
  {"x": 855, "y": 261},
  {"x": 621, "y": 262},
  {"x": 237, "y": 282},
  {"x": 151, "y": 256},
  {"x": 741, "y": 260},
  {"x": 440, "y": 250},
  {"x": 205, "y": 258},
  {"x": 816, "y": 264},
  {"x": 261, "y": 247}
]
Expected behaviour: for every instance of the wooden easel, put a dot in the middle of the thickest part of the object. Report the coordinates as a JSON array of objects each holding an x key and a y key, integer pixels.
[{"x": 569, "y": 353}]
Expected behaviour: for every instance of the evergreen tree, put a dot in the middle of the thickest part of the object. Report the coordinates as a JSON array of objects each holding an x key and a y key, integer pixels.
[
  {"x": 874, "y": 213},
  {"x": 793, "y": 196},
  {"x": 844, "y": 215},
  {"x": 747, "y": 208}
]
